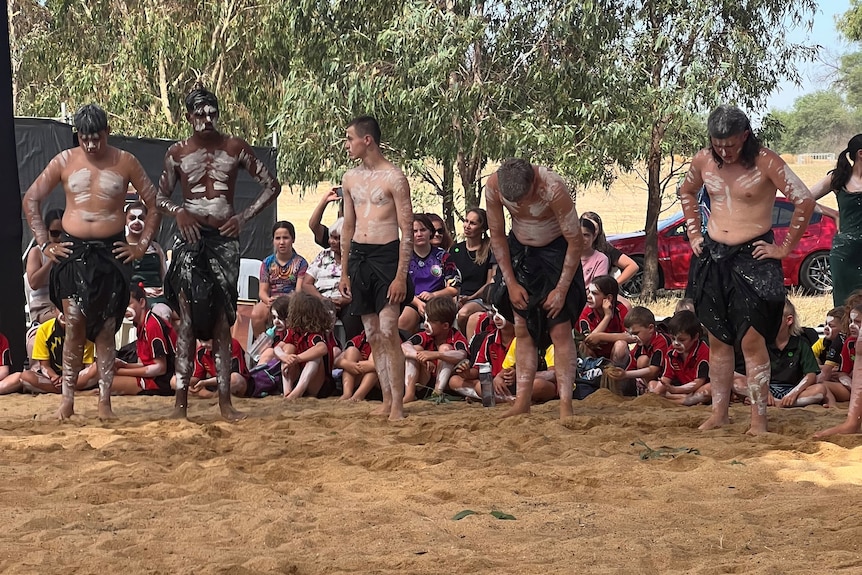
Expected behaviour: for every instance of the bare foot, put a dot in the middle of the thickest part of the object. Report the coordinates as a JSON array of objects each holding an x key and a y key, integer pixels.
[
  {"x": 65, "y": 411},
  {"x": 382, "y": 410},
  {"x": 105, "y": 411},
  {"x": 345, "y": 397},
  {"x": 517, "y": 409},
  {"x": 756, "y": 429},
  {"x": 714, "y": 421},
  {"x": 566, "y": 409},
  {"x": 179, "y": 412},
  {"x": 228, "y": 413},
  {"x": 845, "y": 428},
  {"x": 396, "y": 414}
]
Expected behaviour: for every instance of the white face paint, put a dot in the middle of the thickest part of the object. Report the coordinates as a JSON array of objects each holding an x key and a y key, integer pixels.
[
  {"x": 830, "y": 329},
  {"x": 204, "y": 118},
  {"x": 135, "y": 221},
  {"x": 92, "y": 143}
]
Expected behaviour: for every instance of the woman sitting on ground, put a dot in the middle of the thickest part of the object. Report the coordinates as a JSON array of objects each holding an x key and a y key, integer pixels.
[{"x": 475, "y": 262}]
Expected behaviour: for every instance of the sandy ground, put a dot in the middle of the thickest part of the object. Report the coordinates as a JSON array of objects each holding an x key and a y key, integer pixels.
[{"x": 319, "y": 486}]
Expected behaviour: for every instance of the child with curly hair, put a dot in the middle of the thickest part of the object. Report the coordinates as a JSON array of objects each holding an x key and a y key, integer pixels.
[{"x": 308, "y": 348}]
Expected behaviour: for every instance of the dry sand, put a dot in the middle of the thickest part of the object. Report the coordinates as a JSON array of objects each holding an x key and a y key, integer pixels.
[{"x": 319, "y": 486}]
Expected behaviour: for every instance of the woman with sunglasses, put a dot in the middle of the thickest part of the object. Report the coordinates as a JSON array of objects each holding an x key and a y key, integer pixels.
[
  {"x": 440, "y": 236},
  {"x": 38, "y": 270},
  {"x": 151, "y": 268}
]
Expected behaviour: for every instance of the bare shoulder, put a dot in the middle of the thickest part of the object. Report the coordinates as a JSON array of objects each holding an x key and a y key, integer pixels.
[
  {"x": 702, "y": 159},
  {"x": 768, "y": 160}
]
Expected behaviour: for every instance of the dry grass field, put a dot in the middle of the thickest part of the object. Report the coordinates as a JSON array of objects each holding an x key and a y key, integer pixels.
[{"x": 622, "y": 207}]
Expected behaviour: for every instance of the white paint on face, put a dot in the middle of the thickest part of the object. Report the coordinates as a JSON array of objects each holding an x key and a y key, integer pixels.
[
  {"x": 855, "y": 323},
  {"x": 830, "y": 329},
  {"x": 91, "y": 143},
  {"x": 218, "y": 208}
]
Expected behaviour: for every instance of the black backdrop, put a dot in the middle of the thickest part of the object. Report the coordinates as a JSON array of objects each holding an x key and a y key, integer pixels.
[{"x": 37, "y": 140}]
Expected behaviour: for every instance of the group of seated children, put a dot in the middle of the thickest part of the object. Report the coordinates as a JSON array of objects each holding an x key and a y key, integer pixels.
[{"x": 670, "y": 359}]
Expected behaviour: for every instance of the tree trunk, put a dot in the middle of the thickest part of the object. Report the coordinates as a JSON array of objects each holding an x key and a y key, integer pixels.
[
  {"x": 448, "y": 193},
  {"x": 650, "y": 285}
]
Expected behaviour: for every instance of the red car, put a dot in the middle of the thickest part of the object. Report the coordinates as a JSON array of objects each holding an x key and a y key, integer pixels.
[{"x": 806, "y": 266}]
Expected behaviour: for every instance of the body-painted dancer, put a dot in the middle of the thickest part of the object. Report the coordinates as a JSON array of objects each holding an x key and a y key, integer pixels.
[
  {"x": 376, "y": 209},
  {"x": 541, "y": 267},
  {"x": 736, "y": 278},
  {"x": 90, "y": 277},
  {"x": 201, "y": 285}
]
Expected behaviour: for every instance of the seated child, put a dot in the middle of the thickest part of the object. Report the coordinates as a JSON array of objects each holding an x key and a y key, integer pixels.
[
  {"x": 686, "y": 369},
  {"x": 490, "y": 348},
  {"x": 279, "y": 309},
  {"x": 646, "y": 361},
  {"x": 46, "y": 365},
  {"x": 838, "y": 367},
  {"x": 308, "y": 349},
  {"x": 544, "y": 384},
  {"x": 793, "y": 368},
  {"x": 831, "y": 333},
  {"x": 9, "y": 382},
  {"x": 601, "y": 321},
  {"x": 433, "y": 353},
  {"x": 357, "y": 361},
  {"x": 156, "y": 346},
  {"x": 204, "y": 383}
]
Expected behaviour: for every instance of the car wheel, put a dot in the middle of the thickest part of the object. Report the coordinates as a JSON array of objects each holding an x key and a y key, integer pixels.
[
  {"x": 814, "y": 273},
  {"x": 634, "y": 286}
]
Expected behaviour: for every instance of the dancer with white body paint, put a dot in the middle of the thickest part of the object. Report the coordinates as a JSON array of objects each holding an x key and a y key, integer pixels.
[
  {"x": 376, "y": 210},
  {"x": 90, "y": 278},
  {"x": 736, "y": 279},
  {"x": 541, "y": 267},
  {"x": 201, "y": 285}
]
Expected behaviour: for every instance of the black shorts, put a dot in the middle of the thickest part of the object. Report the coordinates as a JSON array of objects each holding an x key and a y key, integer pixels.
[
  {"x": 371, "y": 269},
  {"x": 538, "y": 270},
  {"x": 94, "y": 279},
  {"x": 733, "y": 291}
]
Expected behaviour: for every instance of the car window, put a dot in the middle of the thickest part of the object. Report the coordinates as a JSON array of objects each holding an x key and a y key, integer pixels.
[{"x": 781, "y": 215}]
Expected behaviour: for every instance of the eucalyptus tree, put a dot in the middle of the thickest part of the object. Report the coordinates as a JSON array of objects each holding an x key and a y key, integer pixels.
[{"x": 683, "y": 57}]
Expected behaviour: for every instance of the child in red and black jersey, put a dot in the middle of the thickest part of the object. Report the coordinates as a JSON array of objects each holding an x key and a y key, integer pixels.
[
  {"x": 490, "y": 348},
  {"x": 203, "y": 382},
  {"x": 686, "y": 370},
  {"x": 357, "y": 362},
  {"x": 646, "y": 361},
  {"x": 433, "y": 353},
  {"x": 156, "y": 346},
  {"x": 308, "y": 348}
]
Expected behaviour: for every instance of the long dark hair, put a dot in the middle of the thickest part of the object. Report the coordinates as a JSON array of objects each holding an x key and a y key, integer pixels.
[
  {"x": 726, "y": 121},
  {"x": 843, "y": 169}
]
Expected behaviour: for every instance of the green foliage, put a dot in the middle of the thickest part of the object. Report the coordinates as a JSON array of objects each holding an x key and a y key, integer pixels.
[{"x": 818, "y": 122}]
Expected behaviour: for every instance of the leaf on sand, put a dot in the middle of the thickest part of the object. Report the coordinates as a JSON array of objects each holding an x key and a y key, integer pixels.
[
  {"x": 504, "y": 516},
  {"x": 462, "y": 514}
]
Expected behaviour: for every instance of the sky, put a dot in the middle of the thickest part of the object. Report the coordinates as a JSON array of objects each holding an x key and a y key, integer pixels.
[{"x": 815, "y": 75}]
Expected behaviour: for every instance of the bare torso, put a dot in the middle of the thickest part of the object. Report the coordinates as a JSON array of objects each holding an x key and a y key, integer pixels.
[
  {"x": 372, "y": 193},
  {"x": 742, "y": 199},
  {"x": 96, "y": 191},
  {"x": 207, "y": 176},
  {"x": 534, "y": 222}
]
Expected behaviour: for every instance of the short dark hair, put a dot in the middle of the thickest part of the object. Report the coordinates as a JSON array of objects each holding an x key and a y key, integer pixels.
[
  {"x": 366, "y": 126},
  {"x": 441, "y": 308},
  {"x": 684, "y": 321},
  {"x": 53, "y": 215},
  {"x": 90, "y": 119},
  {"x": 200, "y": 96},
  {"x": 639, "y": 315},
  {"x": 515, "y": 178},
  {"x": 425, "y": 221},
  {"x": 286, "y": 225},
  {"x": 726, "y": 121}
]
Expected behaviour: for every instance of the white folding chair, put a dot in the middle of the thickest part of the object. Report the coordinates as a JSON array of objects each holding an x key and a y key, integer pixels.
[{"x": 249, "y": 269}]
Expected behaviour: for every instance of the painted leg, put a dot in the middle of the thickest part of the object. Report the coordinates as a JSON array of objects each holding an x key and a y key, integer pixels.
[
  {"x": 525, "y": 369},
  {"x": 758, "y": 372},
  {"x": 721, "y": 382},
  {"x": 565, "y": 357},
  {"x": 221, "y": 354},
  {"x": 184, "y": 361},
  {"x": 106, "y": 355},
  {"x": 73, "y": 357}
]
